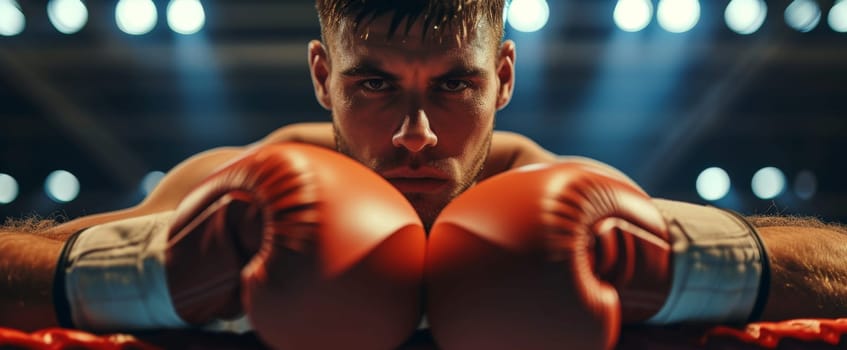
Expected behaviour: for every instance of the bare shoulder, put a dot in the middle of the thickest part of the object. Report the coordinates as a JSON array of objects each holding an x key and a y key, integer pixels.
[
  {"x": 176, "y": 184},
  {"x": 186, "y": 175},
  {"x": 319, "y": 134},
  {"x": 510, "y": 150}
]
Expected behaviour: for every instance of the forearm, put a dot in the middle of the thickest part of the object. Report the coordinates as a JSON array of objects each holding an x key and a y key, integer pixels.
[
  {"x": 27, "y": 265},
  {"x": 808, "y": 273}
]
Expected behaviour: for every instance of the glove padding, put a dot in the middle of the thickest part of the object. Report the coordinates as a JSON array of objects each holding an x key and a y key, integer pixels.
[
  {"x": 317, "y": 250},
  {"x": 565, "y": 253},
  {"x": 543, "y": 257}
]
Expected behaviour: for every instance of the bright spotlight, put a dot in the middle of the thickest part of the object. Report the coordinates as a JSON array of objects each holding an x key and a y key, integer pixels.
[
  {"x": 768, "y": 183},
  {"x": 61, "y": 186},
  {"x": 528, "y": 15},
  {"x": 186, "y": 16},
  {"x": 633, "y": 15},
  {"x": 150, "y": 181},
  {"x": 713, "y": 184},
  {"x": 803, "y": 15},
  {"x": 68, "y": 16},
  {"x": 12, "y": 20},
  {"x": 745, "y": 16},
  {"x": 678, "y": 16},
  {"x": 136, "y": 17},
  {"x": 805, "y": 184},
  {"x": 8, "y": 189},
  {"x": 838, "y": 16}
]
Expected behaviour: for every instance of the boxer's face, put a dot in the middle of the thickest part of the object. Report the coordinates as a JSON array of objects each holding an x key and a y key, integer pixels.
[{"x": 419, "y": 111}]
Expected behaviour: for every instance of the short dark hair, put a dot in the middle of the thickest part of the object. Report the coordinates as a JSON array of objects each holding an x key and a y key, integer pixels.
[{"x": 460, "y": 15}]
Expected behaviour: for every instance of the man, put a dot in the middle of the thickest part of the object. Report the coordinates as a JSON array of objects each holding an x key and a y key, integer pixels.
[{"x": 413, "y": 88}]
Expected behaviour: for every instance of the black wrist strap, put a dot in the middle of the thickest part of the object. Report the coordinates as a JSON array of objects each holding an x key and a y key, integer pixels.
[
  {"x": 765, "y": 280},
  {"x": 61, "y": 305}
]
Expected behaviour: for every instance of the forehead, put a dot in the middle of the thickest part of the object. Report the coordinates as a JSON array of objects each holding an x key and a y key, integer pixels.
[{"x": 374, "y": 37}]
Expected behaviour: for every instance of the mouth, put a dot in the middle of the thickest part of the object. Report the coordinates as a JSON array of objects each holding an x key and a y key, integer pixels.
[
  {"x": 423, "y": 180},
  {"x": 418, "y": 185}
]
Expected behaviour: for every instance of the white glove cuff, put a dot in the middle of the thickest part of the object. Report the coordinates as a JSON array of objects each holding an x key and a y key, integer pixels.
[
  {"x": 114, "y": 276},
  {"x": 720, "y": 266}
]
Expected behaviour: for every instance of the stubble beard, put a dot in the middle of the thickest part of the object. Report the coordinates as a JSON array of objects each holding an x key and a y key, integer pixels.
[{"x": 428, "y": 209}]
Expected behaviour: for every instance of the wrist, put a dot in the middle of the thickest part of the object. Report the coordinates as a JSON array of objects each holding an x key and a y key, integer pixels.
[
  {"x": 61, "y": 305},
  {"x": 114, "y": 276},
  {"x": 720, "y": 266}
]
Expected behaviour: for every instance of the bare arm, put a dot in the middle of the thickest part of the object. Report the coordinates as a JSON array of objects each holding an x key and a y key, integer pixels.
[
  {"x": 27, "y": 263},
  {"x": 808, "y": 270},
  {"x": 28, "y": 259}
]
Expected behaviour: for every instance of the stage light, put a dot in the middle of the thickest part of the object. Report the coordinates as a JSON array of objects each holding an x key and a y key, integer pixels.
[
  {"x": 136, "y": 17},
  {"x": 805, "y": 184},
  {"x": 745, "y": 16},
  {"x": 633, "y": 15},
  {"x": 803, "y": 15},
  {"x": 713, "y": 184},
  {"x": 528, "y": 15},
  {"x": 67, "y": 16},
  {"x": 8, "y": 189},
  {"x": 838, "y": 16},
  {"x": 678, "y": 16},
  {"x": 12, "y": 20},
  {"x": 186, "y": 16},
  {"x": 768, "y": 183},
  {"x": 150, "y": 181},
  {"x": 61, "y": 186}
]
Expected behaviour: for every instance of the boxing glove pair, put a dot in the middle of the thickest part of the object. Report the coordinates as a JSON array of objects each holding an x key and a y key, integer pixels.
[{"x": 538, "y": 257}]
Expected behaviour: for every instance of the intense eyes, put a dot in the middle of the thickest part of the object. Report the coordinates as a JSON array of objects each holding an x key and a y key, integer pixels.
[
  {"x": 375, "y": 85},
  {"x": 453, "y": 85},
  {"x": 382, "y": 85}
]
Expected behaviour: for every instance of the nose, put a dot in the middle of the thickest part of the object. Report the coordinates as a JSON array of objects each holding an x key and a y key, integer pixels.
[{"x": 415, "y": 134}]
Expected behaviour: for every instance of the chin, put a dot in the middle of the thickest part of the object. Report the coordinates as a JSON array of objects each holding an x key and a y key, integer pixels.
[{"x": 428, "y": 206}]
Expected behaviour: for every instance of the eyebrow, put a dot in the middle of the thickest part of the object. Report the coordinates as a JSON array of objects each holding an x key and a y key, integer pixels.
[
  {"x": 461, "y": 71},
  {"x": 368, "y": 69},
  {"x": 371, "y": 69}
]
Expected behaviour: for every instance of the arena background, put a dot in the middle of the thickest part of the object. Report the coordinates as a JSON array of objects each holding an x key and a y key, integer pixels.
[{"x": 110, "y": 107}]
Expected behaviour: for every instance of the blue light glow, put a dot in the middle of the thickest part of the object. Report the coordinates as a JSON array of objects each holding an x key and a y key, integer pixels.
[
  {"x": 528, "y": 15},
  {"x": 745, "y": 16},
  {"x": 186, "y": 16},
  {"x": 713, "y": 184},
  {"x": 136, "y": 17},
  {"x": 633, "y": 15},
  {"x": 768, "y": 183},
  {"x": 8, "y": 189},
  {"x": 678, "y": 16},
  {"x": 12, "y": 20},
  {"x": 838, "y": 16},
  {"x": 150, "y": 181},
  {"x": 67, "y": 16},
  {"x": 61, "y": 186},
  {"x": 803, "y": 15}
]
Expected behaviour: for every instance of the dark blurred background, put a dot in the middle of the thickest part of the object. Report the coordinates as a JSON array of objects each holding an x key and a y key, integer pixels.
[{"x": 662, "y": 103}]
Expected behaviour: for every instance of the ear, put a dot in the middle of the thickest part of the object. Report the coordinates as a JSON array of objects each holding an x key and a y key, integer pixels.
[
  {"x": 319, "y": 67},
  {"x": 505, "y": 73}
]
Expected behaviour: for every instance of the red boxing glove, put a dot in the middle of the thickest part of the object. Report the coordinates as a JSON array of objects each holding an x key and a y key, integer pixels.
[
  {"x": 341, "y": 261},
  {"x": 546, "y": 257},
  {"x": 320, "y": 251}
]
